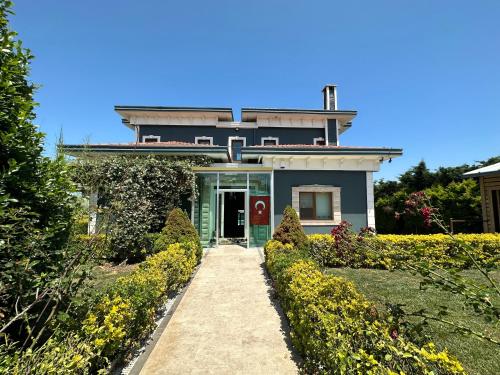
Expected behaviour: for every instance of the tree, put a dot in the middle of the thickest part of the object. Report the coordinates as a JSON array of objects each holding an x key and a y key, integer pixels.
[
  {"x": 417, "y": 178},
  {"x": 456, "y": 198},
  {"x": 36, "y": 204},
  {"x": 290, "y": 230}
]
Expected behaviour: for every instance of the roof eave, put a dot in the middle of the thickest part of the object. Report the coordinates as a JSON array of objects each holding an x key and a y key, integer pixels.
[
  {"x": 213, "y": 151},
  {"x": 124, "y": 110},
  {"x": 393, "y": 152}
]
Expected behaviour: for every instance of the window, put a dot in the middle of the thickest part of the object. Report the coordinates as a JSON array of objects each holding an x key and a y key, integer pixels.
[
  {"x": 319, "y": 141},
  {"x": 236, "y": 144},
  {"x": 315, "y": 205},
  {"x": 209, "y": 141},
  {"x": 269, "y": 141},
  {"x": 150, "y": 138}
]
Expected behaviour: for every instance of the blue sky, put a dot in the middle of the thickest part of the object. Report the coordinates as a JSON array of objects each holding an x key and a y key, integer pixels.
[{"x": 423, "y": 75}]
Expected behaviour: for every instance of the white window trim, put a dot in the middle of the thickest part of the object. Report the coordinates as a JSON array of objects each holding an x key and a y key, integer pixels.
[
  {"x": 157, "y": 137},
  {"x": 230, "y": 143},
  {"x": 211, "y": 139},
  {"x": 269, "y": 139},
  {"x": 235, "y": 138},
  {"x": 315, "y": 140},
  {"x": 337, "y": 215}
]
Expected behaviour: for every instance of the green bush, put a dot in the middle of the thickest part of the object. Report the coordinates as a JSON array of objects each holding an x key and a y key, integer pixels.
[
  {"x": 337, "y": 331},
  {"x": 290, "y": 230},
  {"x": 37, "y": 204},
  {"x": 98, "y": 242},
  {"x": 390, "y": 251},
  {"x": 135, "y": 195},
  {"x": 116, "y": 323},
  {"x": 178, "y": 228}
]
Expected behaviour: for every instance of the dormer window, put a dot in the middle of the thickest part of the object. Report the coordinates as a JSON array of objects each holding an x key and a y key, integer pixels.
[
  {"x": 151, "y": 138},
  {"x": 235, "y": 146},
  {"x": 319, "y": 141},
  {"x": 269, "y": 141},
  {"x": 207, "y": 141}
]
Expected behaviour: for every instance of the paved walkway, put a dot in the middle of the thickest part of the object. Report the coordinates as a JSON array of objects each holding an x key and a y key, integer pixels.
[{"x": 226, "y": 322}]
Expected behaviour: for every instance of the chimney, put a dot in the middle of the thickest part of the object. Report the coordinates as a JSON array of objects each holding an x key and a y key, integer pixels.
[{"x": 330, "y": 97}]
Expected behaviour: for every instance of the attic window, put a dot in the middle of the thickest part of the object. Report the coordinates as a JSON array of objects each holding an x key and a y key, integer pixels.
[
  {"x": 319, "y": 141},
  {"x": 208, "y": 141},
  {"x": 150, "y": 138},
  {"x": 269, "y": 141}
]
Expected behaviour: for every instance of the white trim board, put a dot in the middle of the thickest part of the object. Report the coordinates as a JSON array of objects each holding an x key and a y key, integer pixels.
[
  {"x": 157, "y": 137},
  {"x": 332, "y": 163},
  {"x": 203, "y": 138},
  {"x": 370, "y": 200},
  {"x": 315, "y": 140},
  {"x": 262, "y": 139}
]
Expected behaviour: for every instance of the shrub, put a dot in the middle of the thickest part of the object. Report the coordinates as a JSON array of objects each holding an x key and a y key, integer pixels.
[
  {"x": 118, "y": 320},
  {"x": 322, "y": 249},
  {"x": 135, "y": 195},
  {"x": 125, "y": 314},
  {"x": 178, "y": 228},
  {"x": 337, "y": 330},
  {"x": 290, "y": 231},
  {"x": 389, "y": 251},
  {"x": 36, "y": 200}
]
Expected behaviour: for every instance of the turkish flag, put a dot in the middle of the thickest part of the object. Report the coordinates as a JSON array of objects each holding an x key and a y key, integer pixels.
[{"x": 259, "y": 210}]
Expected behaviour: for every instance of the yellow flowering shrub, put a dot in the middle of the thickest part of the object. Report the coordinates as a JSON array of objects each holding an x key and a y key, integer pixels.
[
  {"x": 119, "y": 319},
  {"x": 388, "y": 250},
  {"x": 337, "y": 330}
]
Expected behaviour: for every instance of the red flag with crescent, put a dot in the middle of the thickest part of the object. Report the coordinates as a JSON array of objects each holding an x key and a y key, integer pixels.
[{"x": 259, "y": 210}]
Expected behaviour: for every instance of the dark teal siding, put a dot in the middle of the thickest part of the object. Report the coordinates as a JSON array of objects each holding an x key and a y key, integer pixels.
[
  {"x": 183, "y": 133},
  {"x": 332, "y": 132},
  {"x": 352, "y": 194}
]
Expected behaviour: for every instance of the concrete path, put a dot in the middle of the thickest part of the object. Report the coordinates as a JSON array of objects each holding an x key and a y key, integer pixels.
[{"x": 226, "y": 323}]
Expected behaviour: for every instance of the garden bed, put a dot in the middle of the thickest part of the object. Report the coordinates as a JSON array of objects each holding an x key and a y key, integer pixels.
[{"x": 380, "y": 286}]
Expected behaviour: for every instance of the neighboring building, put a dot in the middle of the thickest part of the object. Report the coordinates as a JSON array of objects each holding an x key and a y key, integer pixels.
[
  {"x": 270, "y": 159},
  {"x": 489, "y": 183}
]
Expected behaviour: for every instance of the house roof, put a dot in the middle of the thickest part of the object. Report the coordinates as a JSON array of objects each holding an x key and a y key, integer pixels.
[
  {"x": 492, "y": 169},
  {"x": 304, "y": 149},
  {"x": 344, "y": 117},
  {"x": 127, "y": 111},
  {"x": 164, "y": 148}
]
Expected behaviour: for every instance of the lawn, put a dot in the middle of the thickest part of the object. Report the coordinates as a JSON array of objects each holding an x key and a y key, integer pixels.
[
  {"x": 105, "y": 275},
  {"x": 478, "y": 357}
]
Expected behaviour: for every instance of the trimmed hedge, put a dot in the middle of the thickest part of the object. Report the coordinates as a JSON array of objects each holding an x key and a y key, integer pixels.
[
  {"x": 338, "y": 331},
  {"x": 117, "y": 321},
  {"x": 178, "y": 228},
  {"x": 389, "y": 251}
]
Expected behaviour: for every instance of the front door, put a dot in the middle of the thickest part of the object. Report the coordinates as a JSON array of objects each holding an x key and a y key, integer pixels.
[{"x": 233, "y": 220}]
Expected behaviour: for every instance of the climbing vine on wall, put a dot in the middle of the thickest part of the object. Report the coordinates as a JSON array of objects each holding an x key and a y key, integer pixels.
[{"x": 135, "y": 195}]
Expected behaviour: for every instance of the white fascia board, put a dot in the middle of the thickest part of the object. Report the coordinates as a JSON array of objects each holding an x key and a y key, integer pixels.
[{"x": 317, "y": 162}]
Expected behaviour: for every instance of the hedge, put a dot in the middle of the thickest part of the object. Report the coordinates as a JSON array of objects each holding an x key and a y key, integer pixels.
[
  {"x": 118, "y": 320},
  {"x": 337, "y": 330},
  {"x": 389, "y": 251}
]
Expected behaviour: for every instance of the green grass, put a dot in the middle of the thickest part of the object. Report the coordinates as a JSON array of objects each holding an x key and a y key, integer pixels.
[
  {"x": 105, "y": 275},
  {"x": 381, "y": 287}
]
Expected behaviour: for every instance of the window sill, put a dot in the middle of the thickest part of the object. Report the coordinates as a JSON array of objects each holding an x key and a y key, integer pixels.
[{"x": 319, "y": 222}]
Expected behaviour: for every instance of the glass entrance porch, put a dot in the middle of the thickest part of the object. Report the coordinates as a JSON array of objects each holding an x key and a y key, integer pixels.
[{"x": 234, "y": 207}]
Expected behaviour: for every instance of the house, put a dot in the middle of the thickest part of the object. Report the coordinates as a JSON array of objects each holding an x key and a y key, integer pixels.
[
  {"x": 270, "y": 159},
  {"x": 489, "y": 183}
]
